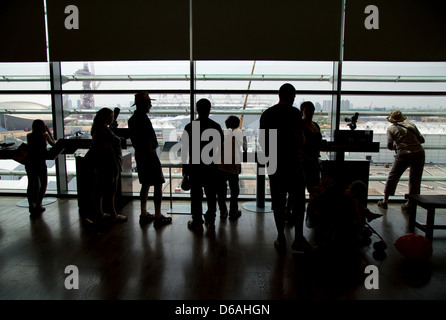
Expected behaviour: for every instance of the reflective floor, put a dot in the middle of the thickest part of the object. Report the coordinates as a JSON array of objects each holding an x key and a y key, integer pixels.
[{"x": 236, "y": 261}]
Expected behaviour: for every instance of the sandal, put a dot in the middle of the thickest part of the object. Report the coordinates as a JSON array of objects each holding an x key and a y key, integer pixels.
[
  {"x": 145, "y": 219},
  {"x": 161, "y": 221},
  {"x": 382, "y": 204}
]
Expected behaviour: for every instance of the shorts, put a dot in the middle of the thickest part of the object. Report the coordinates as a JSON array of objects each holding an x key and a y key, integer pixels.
[{"x": 150, "y": 171}]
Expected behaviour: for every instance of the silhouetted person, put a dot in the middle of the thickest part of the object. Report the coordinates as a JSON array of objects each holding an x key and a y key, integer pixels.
[
  {"x": 37, "y": 170},
  {"x": 107, "y": 163},
  {"x": 288, "y": 177},
  {"x": 149, "y": 168},
  {"x": 357, "y": 192},
  {"x": 310, "y": 151},
  {"x": 403, "y": 137},
  {"x": 229, "y": 170},
  {"x": 312, "y": 146},
  {"x": 203, "y": 141},
  {"x": 351, "y": 216},
  {"x": 339, "y": 216}
]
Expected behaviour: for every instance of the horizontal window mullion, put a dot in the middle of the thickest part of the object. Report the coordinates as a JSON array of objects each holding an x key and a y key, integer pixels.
[{"x": 224, "y": 91}]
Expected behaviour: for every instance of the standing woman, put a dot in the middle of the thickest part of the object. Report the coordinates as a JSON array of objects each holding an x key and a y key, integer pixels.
[
  {"x": 37, "y": 170},
  {"x": 107, "y": 162},
  {"x": 311, "y": 149}
]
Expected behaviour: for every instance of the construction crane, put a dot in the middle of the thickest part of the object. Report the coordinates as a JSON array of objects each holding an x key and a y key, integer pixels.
[{"x": 246, "y": 96}]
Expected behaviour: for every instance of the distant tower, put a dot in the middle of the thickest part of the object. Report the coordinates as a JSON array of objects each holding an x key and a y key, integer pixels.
[{"x": 87, "y": 99}]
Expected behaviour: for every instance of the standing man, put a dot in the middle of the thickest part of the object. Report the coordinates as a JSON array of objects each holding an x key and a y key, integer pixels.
[
  {"x": 150, "y": 173},
  {"x": 288, "y": 176},
  {"x": 202, "y": 141}
]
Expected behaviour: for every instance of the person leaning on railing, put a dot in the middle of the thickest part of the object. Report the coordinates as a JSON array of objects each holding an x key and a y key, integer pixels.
[{"x": 404, "y": 137}]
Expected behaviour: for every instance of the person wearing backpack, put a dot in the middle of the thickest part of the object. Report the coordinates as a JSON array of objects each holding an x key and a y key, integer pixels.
[{"x": 404, "y": 137}]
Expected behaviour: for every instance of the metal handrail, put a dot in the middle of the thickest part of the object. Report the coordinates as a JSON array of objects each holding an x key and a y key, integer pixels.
[
  {"x": 235, "y": 109},
  {"x": 242, "y": 176},
  {"x": 219, "y": 77}
]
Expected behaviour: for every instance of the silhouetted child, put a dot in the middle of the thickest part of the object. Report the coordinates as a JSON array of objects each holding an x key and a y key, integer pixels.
[
  {"x": 234, "y": 144},
  {"x": 340, "y": 216}
]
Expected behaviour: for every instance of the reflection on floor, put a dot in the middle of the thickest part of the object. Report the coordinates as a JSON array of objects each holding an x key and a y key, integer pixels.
[{"x": 236, "y": 261}]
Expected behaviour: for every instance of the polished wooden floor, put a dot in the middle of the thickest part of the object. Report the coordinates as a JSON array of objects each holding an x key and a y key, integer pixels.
[{"x": 236, "y": 261}]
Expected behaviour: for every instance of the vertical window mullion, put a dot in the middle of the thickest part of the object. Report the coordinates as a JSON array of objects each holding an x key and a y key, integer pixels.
[{"x": 58, "y": 124}]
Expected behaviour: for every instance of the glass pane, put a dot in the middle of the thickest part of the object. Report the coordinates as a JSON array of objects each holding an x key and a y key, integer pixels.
[
  {"x": 225, "y": 105},
  {"x": 17, "y": 112},
  {"x": 429, "y": 115},
  {"x": 123, "y": 75},
  {"x": 169, "y": 114},
  {"x": 265, "y": 75},
  {"x": 394, "y": 76},
  {"x": 24, "y": 76}
]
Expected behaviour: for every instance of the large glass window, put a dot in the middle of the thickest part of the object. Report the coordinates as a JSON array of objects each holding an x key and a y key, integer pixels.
[
  {"x": 83, "y": 79},
  {"x": 169, "y": 114},
  {"x": 247, "y": 88},
  {"x": 242, "y": 88},
  {"x": 17, "y": 112},
  {"x": 415, "y": 88}
]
